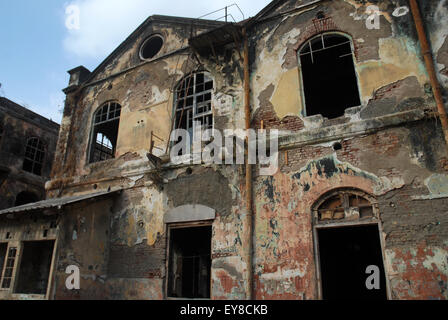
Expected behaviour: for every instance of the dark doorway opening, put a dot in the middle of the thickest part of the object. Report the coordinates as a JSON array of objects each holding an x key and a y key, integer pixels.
[
  {"x": 3, "y": 248},
  {"x": 190, "y": 262},
  {"x": 25, "y": 198},
  {"x": 345, "y": 254},
  {"x": 329, "y": 77},
  {"x": 35, "y": 266}
]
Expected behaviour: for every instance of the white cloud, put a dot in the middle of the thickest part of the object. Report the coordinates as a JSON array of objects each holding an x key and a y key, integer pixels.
[
  {"x": 50, "y": 107},
  {"x": 104, "y": 24}
]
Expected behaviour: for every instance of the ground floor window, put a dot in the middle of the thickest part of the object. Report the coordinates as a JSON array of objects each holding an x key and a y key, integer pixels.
[
  {"x": 189, "y": 262},
  {"x": 345, "y": 253},
  {"x": 8, "y": 269}
]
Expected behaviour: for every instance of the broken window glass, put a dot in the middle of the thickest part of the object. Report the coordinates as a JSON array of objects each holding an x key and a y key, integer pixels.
[
  {"x": 330, "y": 83},
  {"x": 345, "y": 205},
  {"x": 34, "y": 156},
  {"x": 105, "y": 132},
  {"x": 194, "y": 103}
]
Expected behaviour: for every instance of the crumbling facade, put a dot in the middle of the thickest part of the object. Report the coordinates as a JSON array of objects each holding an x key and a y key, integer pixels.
[
  {"x": 27, "y": 145},
  {"x": 362, "y": 177}
]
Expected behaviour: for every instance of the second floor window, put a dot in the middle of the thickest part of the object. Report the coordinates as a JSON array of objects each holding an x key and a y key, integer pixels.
[
  {"x": 106, "y": 121},
  {"x": 329, "y": 78},
  {"x": 193, "y": 103},
  {"x": 34, "y": 156}
]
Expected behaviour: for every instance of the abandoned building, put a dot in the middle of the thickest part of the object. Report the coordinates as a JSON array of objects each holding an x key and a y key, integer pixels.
[
  {"x": 27, "y": 145},
  {"x": 362, "y": 178}
]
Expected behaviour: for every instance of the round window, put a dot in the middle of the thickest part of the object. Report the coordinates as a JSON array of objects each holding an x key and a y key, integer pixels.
[{"x": 151, "y": 47}]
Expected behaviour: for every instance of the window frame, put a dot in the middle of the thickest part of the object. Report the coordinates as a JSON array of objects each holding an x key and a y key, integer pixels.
[
  {"x": 299, "y": 54},
  {"x": 35, "y": 149},
  {"x": 194, "y": 107},
  {"x": 10, "y": 245},
  {"x": 92, "y": 136},
  {"x": 152, "y": 36},
  {"x": 186, "y": 225},
  {"x": 9, "y": 293}
]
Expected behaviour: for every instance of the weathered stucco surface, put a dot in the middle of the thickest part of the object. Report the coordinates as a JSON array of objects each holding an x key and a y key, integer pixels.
[{"x": 391, "y": 147}]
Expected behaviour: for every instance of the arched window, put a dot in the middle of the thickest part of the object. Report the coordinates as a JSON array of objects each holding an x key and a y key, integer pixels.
[
  {"x": 34, "y": 156},
  {"x": 106, "y": 121},
  {"x": 329, "y": 78},
  {"x": 347, "y": 237},
  {"x": 25, "y": 197},
  {"x": 193, "y": 102},
  {"x": 344, "y": 205}
]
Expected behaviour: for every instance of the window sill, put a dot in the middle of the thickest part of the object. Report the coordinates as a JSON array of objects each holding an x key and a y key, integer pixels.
[
  {"x": 289, "y": 140},
  {"x": 6, "y": 294}
]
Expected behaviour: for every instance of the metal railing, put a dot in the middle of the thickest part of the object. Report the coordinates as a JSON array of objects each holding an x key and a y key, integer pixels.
[{"x": 226, "y": 13}]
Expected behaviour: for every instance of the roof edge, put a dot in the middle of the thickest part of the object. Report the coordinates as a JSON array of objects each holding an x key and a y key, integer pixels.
[
  {"x": 152, "y": 18},
  {"x": 55, "y": 202},
  {"x": 50, "y": 122}
]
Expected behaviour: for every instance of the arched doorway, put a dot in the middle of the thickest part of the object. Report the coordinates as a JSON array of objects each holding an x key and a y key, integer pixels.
[
  {"x": 329, "y": 79},
  {"x": 348, "y": 244}
]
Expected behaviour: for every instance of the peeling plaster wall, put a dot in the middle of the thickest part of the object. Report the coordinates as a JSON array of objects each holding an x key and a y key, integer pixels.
[
  {"x": 392, "y": 78},
  {"x": 436, "y": 16},
  {"x": 393, "y": 166},
  {"x": 146, "y": 96},
  {"x": 386, "y": 60},
  {"x": 129, "y": 257},
  {"x": 136, "y": 258},
  {"x": 390, "y": 148}
]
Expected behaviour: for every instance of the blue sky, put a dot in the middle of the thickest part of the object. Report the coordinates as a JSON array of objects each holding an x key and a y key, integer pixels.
[{"x": 37, "y": 48}]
